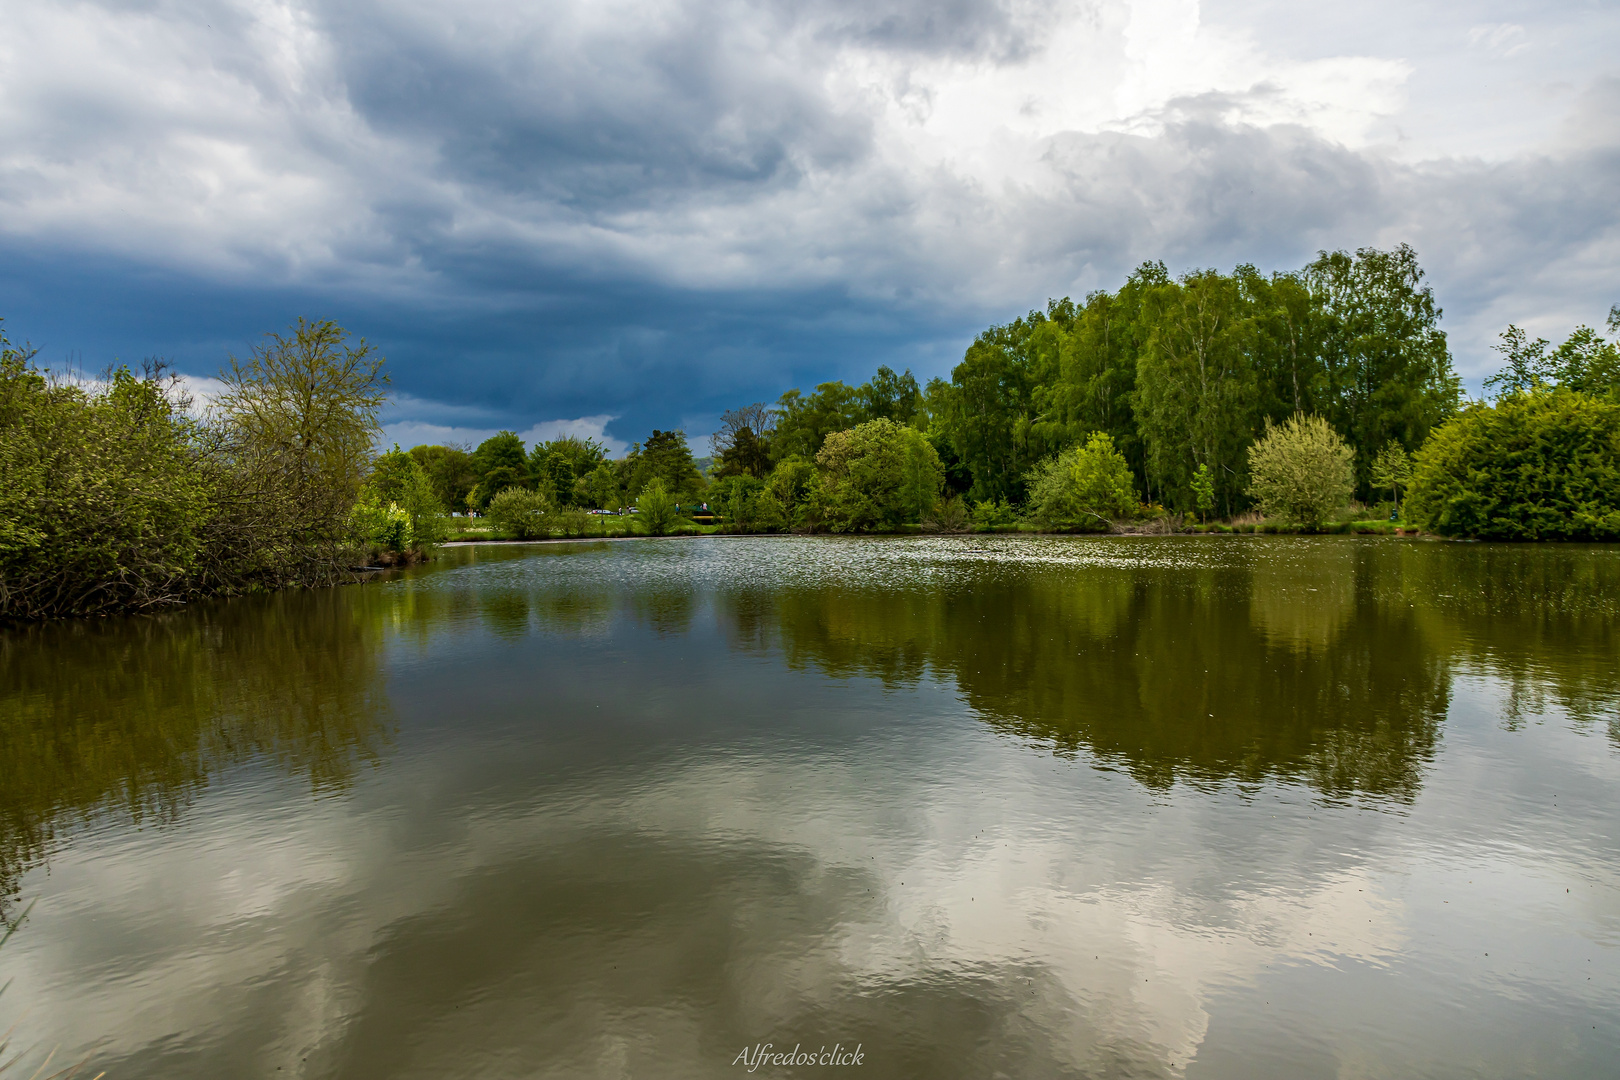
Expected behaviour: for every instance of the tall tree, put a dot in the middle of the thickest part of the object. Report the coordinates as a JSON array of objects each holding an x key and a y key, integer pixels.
[
  {"x": 1386, "y": 372},
  {"x": 1196, "y": 385},
  {"x": 499, "y": 463}
]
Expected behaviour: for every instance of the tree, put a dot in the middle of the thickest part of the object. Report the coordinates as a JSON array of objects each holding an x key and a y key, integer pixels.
[
  {"x": 602, "y": 488},
  {"x": 398, "y": 479},
  {"x": 301, "y": 418},
  {"x": 521, "y": 513},
  {"x": 499, "y": 463},
  {"x": 665, "y": 456},
  {"x": 1535, "y": 466},
  {"x": 1386, "y": 372},
  {"x": 451, "y": 471},
  {"x": 1197, "y": 388},
  {"x": 876, "y": 474},
  {"x": 1391, "y": 470},
  {"x": 739, "y": 499},
  {"x": 1088, "y": 484},
  {"x": 1203, "y": 489},
  {"x": 656, "y": 507},
  {"x": 1301, "y": 471},
  {"x": 786, "y": 503},
  {"x": 742, "y": 444},
  {"x": 557, "y": 467}
]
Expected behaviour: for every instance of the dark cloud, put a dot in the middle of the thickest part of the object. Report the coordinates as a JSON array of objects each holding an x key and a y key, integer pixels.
[{"x": 656, "y": 211}]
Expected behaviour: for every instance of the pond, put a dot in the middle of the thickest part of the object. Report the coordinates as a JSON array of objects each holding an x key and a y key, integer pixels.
[{"x": 963, "y": 806}]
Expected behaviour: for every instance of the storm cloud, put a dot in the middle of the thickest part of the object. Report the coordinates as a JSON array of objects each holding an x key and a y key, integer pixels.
[{"x": 603, "y": 217}]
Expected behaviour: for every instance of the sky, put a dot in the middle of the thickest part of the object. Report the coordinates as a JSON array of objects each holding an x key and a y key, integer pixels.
[{"x": 604, "y": 217}]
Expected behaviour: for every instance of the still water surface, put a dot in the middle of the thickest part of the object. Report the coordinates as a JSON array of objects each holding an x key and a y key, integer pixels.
[{"x": 1204, "y": 807}]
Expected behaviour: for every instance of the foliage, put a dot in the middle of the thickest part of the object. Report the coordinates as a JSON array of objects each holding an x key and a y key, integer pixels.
[
  {"x": 1301, "y": 471},
  {"x": 520, "y": 513},
  {"x": 1543, "y": 465},
  {"x": 499, "y": 463},
  {"x": 801, "y": 422},
  {"x": 105, "y": 505},
  {"x": 877, "y": 474},
  {"x": 1585, "y": 363},
  {"x": 1088, "y": 484},
  {"x": 992, "y": 514},
  {"x": 742, "y": 443},
  {"x": 656, "y": 507},
  {"x": 950, "y": 515},
  {"x": 383, "y": 526},
  {"x": 1391, "y": 470},
  {"x": 786, "y": 502},
  {"x": 557, "y": 468},
  {"x": 1203, "y": 489},
  {"x": 450, "y": 469},
  {"x": 398, "y": 479},
  {"x": 740, "y": 499},
  {"x": 601, "y": 488},
  {"x": 665, "y": 457},
  {"x": 118, "y": 498}
]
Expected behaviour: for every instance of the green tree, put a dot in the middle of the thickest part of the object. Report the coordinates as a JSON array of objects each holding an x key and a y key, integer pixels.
[
  {"x": 1386, "y": 372},
  {"x": 1535, "y": 466},
  {"x": 450, "y": 469},
  {"x": 786, "y": 502},
  {"x": 602, "y": 489},
  {"x": 656, "y": 507},
  {"x": 876, "y": 474},
  {"x": 1203, "y": 489},
  {"x": 520, "y": 513},
  {"x": 1301, "y": 471},
  {"x": 1391, "y": 470},
  {"x": 1197, "y": 388},
  {"x": 1086, "y": 485},
  {"x": 299, "y": 418},
  {"x": 666, "y": 456},
  {"x": 398, "y": 479},
  {"x": 740, "y": 499},
  {"x": 742, "y": 444},
  {"x": 558, "y": 466},
  {"x": 499, "y": 463}
]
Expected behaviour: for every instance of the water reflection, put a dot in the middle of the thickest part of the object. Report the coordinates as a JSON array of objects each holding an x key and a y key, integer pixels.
[
  {"x": 1029, "y": 808},
  {"x": 1242, "y": 671},
  {"x": 132, "y": 717}
]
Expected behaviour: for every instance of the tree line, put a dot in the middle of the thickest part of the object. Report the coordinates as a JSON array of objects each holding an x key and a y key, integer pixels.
[{"x": 1209, "y": 394}]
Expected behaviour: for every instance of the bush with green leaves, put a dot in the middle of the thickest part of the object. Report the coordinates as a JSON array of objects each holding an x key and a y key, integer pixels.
[
  {"x": 786, "y": 503},
  {"x": 655, "y": 509},
  {"x": 1542, "y": 465},
  {"x": 739, "y": 498},
  {"x": 1088, "y": 486},
  {"x": 876, "y": 475},
  {"x": 1301, "y": 471},
  {"x": 383, "y": 527},
  {"x": 992, "y": 514},
  {"x": 520, "y": 513}
]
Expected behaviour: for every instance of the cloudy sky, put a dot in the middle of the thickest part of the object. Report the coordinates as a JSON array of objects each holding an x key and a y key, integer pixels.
[{"x": 607, "y": 216}]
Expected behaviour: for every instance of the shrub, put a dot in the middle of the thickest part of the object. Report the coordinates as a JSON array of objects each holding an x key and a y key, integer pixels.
[
  {"x": 949, "y": 515},
  {"x": 1088, "y": 484},
  {"x": 1302, "y": 471},
  {"x": 739, "y": 498},
  {"x": 656, "y": 508},
  {"x": 992, "y": 514},
  {"x": 1535, "y": 466},
  {"x": 786, "y": 501},
  {"x": 383, "y": 526},
  {"x": 876, "y": 474},
  {"x": 520, "y": 513}
]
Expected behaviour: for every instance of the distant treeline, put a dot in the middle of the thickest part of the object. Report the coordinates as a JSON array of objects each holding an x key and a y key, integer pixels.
[{"x": 1161, "y": 397}]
